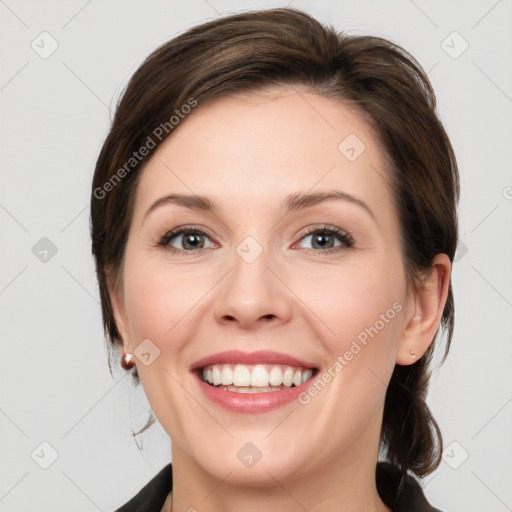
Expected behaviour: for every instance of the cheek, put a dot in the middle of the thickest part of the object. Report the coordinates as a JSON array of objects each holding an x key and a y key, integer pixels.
[
  {"x": 359, "y": 301},
  {"x": 341, "y": 302},
  {"x": 361, "y": 311},
  {"x": 361, "y": 308},
  {"x": 160, "y": 300},
  {"x": 161, "y": 305}
]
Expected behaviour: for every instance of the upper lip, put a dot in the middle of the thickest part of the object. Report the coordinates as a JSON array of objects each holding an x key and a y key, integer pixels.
[{"x": 258, "y": 357}]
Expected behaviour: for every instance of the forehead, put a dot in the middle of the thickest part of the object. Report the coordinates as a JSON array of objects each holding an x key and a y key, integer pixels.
[{"x": 255, "y": 149}]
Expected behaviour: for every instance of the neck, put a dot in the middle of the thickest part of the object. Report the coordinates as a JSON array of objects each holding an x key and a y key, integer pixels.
[{"x": 350, "y": 487}]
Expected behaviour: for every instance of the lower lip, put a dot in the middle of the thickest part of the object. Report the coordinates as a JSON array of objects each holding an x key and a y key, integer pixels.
[{"x": 251, "y": 403}]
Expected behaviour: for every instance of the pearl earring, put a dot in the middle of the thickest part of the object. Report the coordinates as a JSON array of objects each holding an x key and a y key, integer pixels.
[
  {"x": 412, "y": 354},
  {"x": 127, "y": 361}
]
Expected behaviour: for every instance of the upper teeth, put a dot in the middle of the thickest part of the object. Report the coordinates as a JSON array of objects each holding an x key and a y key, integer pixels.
[{"x": 255, "y": 375}]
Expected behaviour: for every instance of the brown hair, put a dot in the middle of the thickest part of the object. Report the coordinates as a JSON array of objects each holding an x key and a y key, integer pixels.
[{"x": 254, "y": 50}]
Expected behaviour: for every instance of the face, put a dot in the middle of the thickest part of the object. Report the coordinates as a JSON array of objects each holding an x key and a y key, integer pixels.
[{"x": 286, "y": 276}]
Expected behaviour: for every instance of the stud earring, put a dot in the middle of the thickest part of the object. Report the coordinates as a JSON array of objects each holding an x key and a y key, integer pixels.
[
  {"x": 127, "y": 361},
  {"x": 412, "y": 354}
]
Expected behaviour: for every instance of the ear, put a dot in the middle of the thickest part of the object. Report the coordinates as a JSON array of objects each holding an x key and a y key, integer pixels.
[
  {"x": 424, "y": 312},
  {"x": 116, "y": 294}
]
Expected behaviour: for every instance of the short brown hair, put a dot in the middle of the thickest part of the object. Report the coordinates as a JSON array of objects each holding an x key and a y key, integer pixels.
[{"x": 254, "y": 50}]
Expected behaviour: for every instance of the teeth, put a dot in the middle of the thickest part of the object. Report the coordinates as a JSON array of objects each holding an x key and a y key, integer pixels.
[
  {"x": 241, "y": 376},
  {"x": 216, "y": 376},
  {"x": 245, "y": 378},
  {"x": 276, "y": 376},
  {"x": 249, "y": 390},
  {"x": 258, "y": 377},
  {"x": 288, "y": 377},
  {"x": 226, "y": 376}
]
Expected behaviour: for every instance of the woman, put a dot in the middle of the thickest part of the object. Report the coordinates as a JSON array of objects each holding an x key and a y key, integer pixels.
[{"x": 273, "y": 218}]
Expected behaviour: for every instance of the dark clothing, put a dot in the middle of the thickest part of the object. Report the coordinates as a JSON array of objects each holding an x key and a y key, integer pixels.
[{"x": 399, "y": 491}]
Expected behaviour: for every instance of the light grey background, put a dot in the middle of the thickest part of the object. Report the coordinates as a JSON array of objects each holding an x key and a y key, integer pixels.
[{"x": 54, "y": 114}]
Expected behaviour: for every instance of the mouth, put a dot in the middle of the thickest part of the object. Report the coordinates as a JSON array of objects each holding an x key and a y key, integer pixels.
[
  {"x": 263, "y": 371},
  {"x": 255, "y": 378},
  {"x": 252, "y": 382}
]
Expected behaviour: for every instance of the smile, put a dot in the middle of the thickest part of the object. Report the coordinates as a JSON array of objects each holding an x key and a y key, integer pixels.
[
  {"x": 252, "y": 382},
  {"x": 259, "y": 378}
]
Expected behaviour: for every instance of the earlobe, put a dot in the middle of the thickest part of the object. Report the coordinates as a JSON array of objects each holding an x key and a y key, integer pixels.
[{"x": 429, "y": 299}]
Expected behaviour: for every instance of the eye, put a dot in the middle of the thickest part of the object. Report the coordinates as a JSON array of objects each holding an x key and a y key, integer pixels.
[
  {"x": 184, "y": 239},
  {"x": 324, "y": 239},
  {"x": 188, "y": 240}
]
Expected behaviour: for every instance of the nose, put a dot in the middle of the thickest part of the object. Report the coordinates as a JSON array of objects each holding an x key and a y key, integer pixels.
[{"x": 253, "y": 294}]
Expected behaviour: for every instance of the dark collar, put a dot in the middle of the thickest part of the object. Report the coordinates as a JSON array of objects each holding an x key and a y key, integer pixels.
[{"x": 398, "y": 490}]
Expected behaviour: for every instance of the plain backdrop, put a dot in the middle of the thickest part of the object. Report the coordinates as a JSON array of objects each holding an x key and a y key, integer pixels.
[{"x": 62, "y": 68}]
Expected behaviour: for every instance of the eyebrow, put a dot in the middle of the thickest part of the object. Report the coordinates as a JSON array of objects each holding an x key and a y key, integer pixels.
[{"x": 294, "y": 202}]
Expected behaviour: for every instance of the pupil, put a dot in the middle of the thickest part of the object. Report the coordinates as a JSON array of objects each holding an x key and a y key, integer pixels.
[
  {"x": 190, "y": 240},
  {"x": 319, "y": 239}
]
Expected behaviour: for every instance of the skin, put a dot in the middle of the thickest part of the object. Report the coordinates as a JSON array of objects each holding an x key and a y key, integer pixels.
[{"x": 248, "y": 153}]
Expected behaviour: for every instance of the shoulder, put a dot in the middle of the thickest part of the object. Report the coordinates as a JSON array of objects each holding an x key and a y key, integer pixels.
[
  {"x": 152, "y": 496},
  {"x": 400, "y": 491}
]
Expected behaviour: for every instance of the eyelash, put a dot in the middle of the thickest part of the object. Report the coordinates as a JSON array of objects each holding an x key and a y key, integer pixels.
[{"x": 345, "y": 238}]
